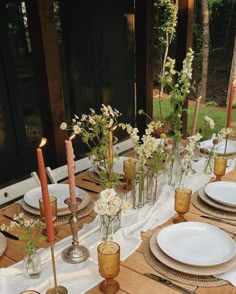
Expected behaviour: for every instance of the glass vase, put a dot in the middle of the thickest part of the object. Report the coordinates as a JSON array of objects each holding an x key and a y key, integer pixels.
[
  {"x": 152, "y": 187},
  {"x": 32, "y": 264},
  {"x": 208, "y": 169},
  {"x": 174, "y": 166},
  {"x": 109, "y": 225}
]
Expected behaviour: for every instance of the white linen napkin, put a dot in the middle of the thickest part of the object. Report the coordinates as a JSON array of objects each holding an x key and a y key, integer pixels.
[{"x": 229, "y": 276}]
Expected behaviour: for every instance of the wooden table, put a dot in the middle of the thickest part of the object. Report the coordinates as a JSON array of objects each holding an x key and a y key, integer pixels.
[{"x": 131, "y": 276}]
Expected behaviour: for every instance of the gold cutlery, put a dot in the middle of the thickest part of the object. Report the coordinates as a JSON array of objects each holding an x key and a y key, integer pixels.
[
  {"x": 218, "y": 219},
  {"x": 168, "y": 283}
]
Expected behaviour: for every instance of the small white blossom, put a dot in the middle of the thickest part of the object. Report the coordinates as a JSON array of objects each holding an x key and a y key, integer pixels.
[{"x": 63, "y": 126}]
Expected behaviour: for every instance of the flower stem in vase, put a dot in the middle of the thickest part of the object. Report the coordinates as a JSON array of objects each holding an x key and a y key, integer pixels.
[{"x": 141, "y": 200}]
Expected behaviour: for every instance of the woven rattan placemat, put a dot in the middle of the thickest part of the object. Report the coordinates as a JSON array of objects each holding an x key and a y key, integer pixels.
[
  {"x": 64, "y": 219},
  {"x": 204, "y": 207},
  {"x": 193, "y": 280}
]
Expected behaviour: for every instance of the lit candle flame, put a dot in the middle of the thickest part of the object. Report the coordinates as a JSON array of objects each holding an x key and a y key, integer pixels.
[{"x": 43, "y": 142}]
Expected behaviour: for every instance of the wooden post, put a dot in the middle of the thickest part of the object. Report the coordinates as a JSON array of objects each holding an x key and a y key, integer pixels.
[
  {"x": 144, "y": 88},
  {"x": 48, "y": 72}
]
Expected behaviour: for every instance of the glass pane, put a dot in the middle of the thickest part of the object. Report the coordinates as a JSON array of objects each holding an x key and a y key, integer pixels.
[{"x": 20, "y": 44}]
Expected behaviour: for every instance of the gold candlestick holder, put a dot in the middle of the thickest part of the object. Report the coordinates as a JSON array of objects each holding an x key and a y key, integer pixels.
[
  {"x": 57, "y": 289},
  {"x": 75, "y": 253}
]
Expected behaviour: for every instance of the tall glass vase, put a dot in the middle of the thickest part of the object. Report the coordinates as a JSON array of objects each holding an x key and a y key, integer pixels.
[{"x": 174, "y": 166}]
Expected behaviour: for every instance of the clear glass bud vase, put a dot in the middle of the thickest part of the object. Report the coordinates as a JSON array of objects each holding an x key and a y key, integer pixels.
[
  {"x": 109, "y": 225},
  {"x": 174, "y": 166},
  {"x": 32, "y": 264}
]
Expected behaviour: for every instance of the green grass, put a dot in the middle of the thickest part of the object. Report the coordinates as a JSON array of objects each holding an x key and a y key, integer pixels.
[{"x": 218, "y": 115}]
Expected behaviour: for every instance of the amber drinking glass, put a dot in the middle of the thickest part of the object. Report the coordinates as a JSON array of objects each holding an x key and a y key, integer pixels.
[
  {"x": 53, "y": 204},
  {"x": 220, "y": 164},
  {"x": 129, "y": 172},
  {"x": 109, "y": 266},
  {"x": 182, "y": 203}
]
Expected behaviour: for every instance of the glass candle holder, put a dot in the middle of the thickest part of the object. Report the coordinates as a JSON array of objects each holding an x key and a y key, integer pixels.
[
  {"x": 109, "y": 266},
  {"x": 182, "y": 203},
  {"x": 53, "y": 204},
  {"x": 220, "y": 164}
]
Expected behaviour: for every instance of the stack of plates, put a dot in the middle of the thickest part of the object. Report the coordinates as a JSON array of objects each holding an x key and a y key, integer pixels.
[
  {"x": 30, "y": 202},
  {"x": 194, "y": 248},
  {"x": 220, "y": 195},
  {"x": 219, "y": 148}
]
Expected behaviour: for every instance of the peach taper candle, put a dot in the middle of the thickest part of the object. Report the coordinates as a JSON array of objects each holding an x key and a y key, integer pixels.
[
  {"x": 45, "y": 194},
  {"x": 71, "y": 169}
]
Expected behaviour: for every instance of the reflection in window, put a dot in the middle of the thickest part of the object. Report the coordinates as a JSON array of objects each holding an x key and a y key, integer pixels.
[
  {"x": 2, "y": 129},
  {"x": 19, "y": 37}
]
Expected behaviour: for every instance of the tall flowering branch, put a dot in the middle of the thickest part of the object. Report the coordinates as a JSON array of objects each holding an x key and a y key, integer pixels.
[
  {"x": 178, "y": 91},
  {"x": 94, "y": 131}
]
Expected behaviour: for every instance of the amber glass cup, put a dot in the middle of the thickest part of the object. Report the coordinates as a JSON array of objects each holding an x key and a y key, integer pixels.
[
  {"x": 220, "y": 164},
  {"x": 182, "y": 203},
  {"x": 129, "y": 172},
  {"x": 109, "y": 266},
  {"x": 53, "y": 204}
]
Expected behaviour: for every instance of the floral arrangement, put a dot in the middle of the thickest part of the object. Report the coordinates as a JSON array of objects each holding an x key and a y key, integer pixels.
[
  {"x": 146, "y": 147},
  {"x": 94, "y": 130},
  {"x": 28, "y": 230},
  {"x": 177, "y": 91},
  {"x": 109, "y": 206}
]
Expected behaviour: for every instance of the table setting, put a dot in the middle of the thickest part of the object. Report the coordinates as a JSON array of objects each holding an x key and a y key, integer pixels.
[
  {"x": 140, "y": 209},
  {"x": 29, "y": 204}
]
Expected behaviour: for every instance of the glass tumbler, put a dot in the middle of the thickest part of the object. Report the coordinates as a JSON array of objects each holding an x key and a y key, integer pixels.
[
  {"x": 220, "y": 164},
  {"x": 182, "y": 203}
]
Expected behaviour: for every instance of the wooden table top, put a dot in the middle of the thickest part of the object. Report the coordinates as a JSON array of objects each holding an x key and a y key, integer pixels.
[{"x": 130, "y": 278}]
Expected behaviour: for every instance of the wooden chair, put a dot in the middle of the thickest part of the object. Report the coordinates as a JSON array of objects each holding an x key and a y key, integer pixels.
[
  {"x": 123, "y": 146},
  {"x": 60, "y": 173},
  {"x": 17, "y": 190}
]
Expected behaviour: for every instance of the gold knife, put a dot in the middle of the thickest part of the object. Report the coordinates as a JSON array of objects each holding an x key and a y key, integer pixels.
[{"x": 168, "y": 283}]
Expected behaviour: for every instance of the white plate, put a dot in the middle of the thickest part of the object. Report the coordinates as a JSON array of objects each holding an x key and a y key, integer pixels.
[
  {"x": 222, "y": 192},
  {"x": 186, "y": 268},
  {"x": 219, "y": 148},
  {"x": 3, "y": 243},
  {"x": 205, "y": 198},
  {"x": 60, "y": 191},
  {"x": 196, "y": 244}
]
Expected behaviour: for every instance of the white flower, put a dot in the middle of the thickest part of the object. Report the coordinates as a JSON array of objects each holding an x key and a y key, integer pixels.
[
  {"x": 116, "y": 201},
  {"x": 126, "y": 205},
  {"x": 100, "y": 207},
  {"x": 76, "y": 129},
  {"x": 112, "y": 210},
  {"x": 108, "y": 194},
  {"x": 63, "y": 126},
  {"x": 210, "y": 121}
]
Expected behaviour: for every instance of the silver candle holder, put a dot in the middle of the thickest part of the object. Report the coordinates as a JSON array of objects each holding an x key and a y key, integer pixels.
[{"x": 75, "y": 253}]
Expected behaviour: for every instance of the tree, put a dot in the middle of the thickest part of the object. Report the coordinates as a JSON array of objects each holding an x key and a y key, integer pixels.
[{"x": 205, "y": 48}]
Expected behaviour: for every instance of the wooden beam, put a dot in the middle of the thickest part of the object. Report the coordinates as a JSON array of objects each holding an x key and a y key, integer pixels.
[
  {"x": 47, "y": 61},
  {"x": 144, "y": 87}
]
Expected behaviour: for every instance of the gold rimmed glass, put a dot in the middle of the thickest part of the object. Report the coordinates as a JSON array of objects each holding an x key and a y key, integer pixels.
[
  {"x": 53, "y": 204},
  {"x": 182, "y": 203},
  {"x": 109, "y": 266},
  {"x": 220, "y": 163}
]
